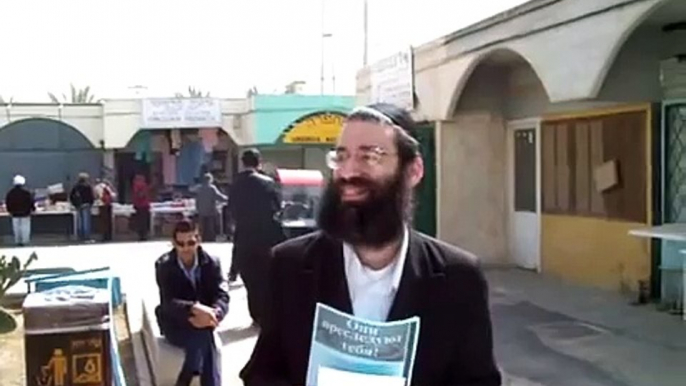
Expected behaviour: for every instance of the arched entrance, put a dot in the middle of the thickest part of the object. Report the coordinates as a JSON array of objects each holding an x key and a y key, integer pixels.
[
  {"x": 46, "y": 152},
  {"x": 489, "y": 169},
  {"x": 649, "y": 65},
  {"x": 174, "y": 160}
]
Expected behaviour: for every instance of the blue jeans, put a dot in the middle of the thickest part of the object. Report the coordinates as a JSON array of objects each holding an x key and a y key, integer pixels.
[
  {"x": 22, "y": 230},
  {"x": 201, "y": 356},
  {"x": 83, "y": 222}
]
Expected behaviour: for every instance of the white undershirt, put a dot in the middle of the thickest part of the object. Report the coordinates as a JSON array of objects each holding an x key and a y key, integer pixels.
[{"x": 372, "y": 291}]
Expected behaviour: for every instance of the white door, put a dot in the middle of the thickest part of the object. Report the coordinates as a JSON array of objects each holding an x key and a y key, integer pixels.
[{"x": 524, "y": 197}]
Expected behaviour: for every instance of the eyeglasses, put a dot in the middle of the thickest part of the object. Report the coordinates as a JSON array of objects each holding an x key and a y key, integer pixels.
[
  {"x": 190, "y": 243},
  {"x": 370, "y": 157}
]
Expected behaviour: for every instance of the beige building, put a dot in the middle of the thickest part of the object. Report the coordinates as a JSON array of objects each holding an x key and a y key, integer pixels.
[
  {"x": 528, "y": 108},
  {"x": 36, "y": 139}
]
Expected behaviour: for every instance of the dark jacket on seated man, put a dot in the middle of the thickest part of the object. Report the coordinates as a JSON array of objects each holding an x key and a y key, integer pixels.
[{"x": 178, "y": 295}]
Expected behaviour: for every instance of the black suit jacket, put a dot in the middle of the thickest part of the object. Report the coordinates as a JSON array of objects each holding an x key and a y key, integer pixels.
[
  {"x": 177, "y": 293},
  {"x": 440, "y": 283},
  {"x": 254, "y": 203}
]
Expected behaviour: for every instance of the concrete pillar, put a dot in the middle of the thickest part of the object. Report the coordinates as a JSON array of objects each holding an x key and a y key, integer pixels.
[
  {"x": 108, "y": 165},
  {"x": 471, "y": 199}
]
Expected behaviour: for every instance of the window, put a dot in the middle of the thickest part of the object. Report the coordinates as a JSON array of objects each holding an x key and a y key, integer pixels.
[{"x": 575, "y": 150}]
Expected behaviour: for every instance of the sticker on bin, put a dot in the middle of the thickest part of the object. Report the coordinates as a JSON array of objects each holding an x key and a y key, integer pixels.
[{"x": 68, "y": 359}]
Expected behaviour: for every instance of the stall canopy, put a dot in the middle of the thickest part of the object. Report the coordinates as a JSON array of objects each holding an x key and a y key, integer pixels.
[{"x": 291, "y": 177}]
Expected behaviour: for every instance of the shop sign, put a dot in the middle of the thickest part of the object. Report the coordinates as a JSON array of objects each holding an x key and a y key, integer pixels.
[
  {"x": 317, "y": 128},
  {"x": 392, "y": 80},
  {"x": 180, "y": 113}
]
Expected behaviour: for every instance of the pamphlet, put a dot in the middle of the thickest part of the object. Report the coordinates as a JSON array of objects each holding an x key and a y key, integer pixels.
[{"x": 346, "y": 350}]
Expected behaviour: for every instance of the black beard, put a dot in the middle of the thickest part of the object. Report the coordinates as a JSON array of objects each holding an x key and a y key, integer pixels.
[{"x": 374, "y": 223}]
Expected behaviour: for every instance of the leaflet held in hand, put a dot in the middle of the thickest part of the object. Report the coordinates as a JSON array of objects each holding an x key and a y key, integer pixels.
[{"x": 346, "y": 350}]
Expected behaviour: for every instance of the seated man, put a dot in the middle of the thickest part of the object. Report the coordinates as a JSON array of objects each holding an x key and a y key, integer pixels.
[{"x": 194, "y": 299}]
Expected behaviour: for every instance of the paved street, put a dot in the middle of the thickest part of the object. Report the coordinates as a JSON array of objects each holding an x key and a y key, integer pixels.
[
  {"x": 547, "y": 333},
  {"x": 554, "y": 334}
]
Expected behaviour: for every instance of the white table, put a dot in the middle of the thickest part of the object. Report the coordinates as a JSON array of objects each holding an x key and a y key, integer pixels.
[
  {"x": 668, "y": 232},
  {"x": 52, "y": 213}
]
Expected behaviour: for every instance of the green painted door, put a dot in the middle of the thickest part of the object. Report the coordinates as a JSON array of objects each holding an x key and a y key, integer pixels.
[{"x": 425, "y": 211}]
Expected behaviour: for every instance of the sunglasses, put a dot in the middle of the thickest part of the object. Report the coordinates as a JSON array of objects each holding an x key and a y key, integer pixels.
[{"x": 190, "y": 243}]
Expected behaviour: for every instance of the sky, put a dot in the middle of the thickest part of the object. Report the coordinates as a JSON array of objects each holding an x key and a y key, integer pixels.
[{"x": 219, "y": 46}]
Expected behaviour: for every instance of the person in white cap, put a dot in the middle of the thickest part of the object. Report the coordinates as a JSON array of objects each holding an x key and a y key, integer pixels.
[{"x": 20, "y": 205}]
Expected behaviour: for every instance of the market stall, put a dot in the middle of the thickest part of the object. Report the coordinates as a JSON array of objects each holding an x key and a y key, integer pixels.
[
  {"x": 53, "y": 217},
  {"x": 301, "y": 192},
  {"x": 163, "y": 216},
  {"x": 58, "y": 219}
]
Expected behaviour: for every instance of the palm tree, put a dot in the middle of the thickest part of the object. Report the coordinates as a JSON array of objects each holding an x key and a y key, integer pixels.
[
  {"x": 251, "y": 91},
  {"x": 3, "y": 101},
  {"x": 193, "y": 93},
  {"x": 77, "y": 96}
]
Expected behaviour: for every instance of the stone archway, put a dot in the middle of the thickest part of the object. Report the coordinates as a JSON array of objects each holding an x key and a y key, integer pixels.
[
  {"x": 175, "y": 158},
  {"x": 632, "y": 70},
  {"x": 473, "y": 171},
  {"x": 646, "y": 65},
  {"x": 46, "y": 152}
]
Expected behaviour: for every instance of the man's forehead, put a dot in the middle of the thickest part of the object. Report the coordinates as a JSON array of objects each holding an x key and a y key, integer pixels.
[
  {"x": 362, "y": 133},
  {"x": 186, "y": 235}
]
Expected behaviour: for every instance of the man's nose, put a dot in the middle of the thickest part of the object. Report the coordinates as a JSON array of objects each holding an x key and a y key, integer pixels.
[{"x": 348, "y": 169}]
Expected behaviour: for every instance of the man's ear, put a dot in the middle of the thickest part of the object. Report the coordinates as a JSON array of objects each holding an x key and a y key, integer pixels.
[{"x": 416, "y": 171}]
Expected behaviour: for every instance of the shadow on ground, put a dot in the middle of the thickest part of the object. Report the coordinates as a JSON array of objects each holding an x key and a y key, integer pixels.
[{"x": 522, "y": 353}]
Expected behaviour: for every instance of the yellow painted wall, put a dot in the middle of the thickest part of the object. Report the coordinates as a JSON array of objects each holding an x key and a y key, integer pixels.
[
  {"x": 593, "y": 251},
  {"x": 596, "y": 251}
]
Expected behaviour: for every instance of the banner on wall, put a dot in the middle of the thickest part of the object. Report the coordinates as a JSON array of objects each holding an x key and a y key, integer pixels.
[
  {"x": 180, "y": 113},
  {"x": 319, "y": 128},
  {"x": 392, "y": 80}
]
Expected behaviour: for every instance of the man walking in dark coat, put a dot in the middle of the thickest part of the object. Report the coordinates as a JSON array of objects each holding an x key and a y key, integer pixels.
[
  {"x": 20, "y": 205},
  {"x": 254, "y": 204},
  {"x": 82, "y": 198}
]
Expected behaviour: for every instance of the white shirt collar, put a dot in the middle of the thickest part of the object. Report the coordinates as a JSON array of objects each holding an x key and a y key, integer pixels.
[{"x": 350, "y": 257}]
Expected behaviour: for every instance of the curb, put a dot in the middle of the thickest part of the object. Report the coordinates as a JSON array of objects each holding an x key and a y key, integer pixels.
[{"x": 134, "y": 314}]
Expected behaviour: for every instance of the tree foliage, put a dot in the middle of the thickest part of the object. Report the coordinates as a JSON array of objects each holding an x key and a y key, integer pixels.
[
  {"x": 11, "y": 271},
  {"x": 77, "y": 95},
  {"x": 193, "y": 93}
]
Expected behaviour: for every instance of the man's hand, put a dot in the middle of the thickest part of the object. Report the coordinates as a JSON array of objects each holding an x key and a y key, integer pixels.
[{"x": 203, "y": 316}]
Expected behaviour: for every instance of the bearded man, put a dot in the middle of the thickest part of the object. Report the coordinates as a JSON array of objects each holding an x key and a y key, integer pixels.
[{"x": 368, "y": 262}]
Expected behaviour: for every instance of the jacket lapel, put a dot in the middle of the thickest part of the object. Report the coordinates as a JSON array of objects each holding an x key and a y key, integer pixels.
[
  {"x": 324, "y": 269},
  {"x": 418, "y": 278},
  {"x": 325, "y": 272}
]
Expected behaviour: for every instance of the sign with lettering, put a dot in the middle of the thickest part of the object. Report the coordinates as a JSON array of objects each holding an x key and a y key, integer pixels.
[
  {"x": 392, "y": 80},
  {"x": 317, "y": 128},
  {"x": 180, "y": 113},
  {"x": 348, "y": 350}
]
